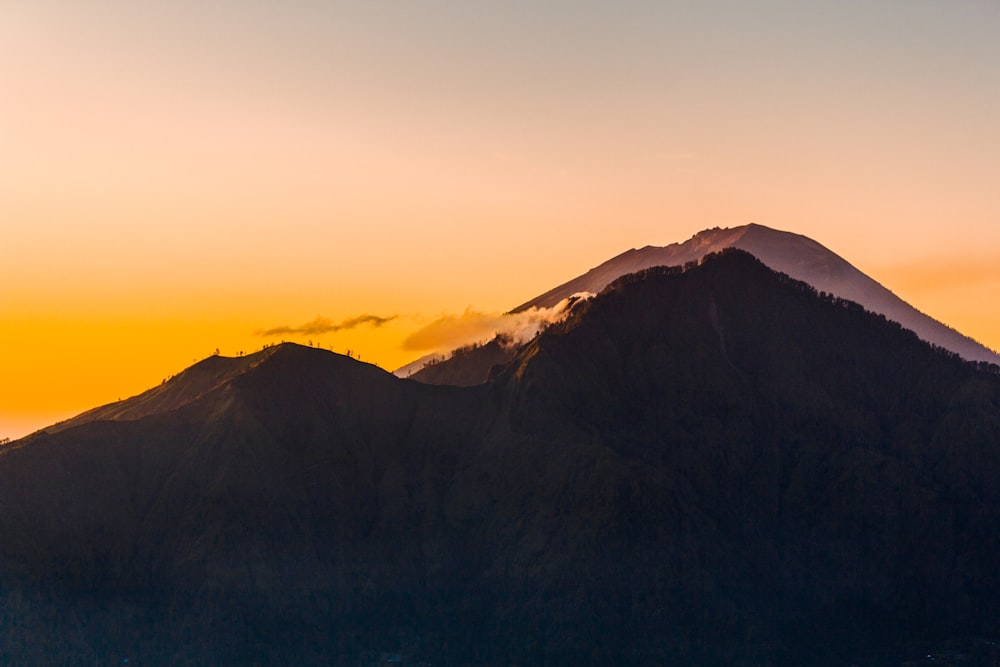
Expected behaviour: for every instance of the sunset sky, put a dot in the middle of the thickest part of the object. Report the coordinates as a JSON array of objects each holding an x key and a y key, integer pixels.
[{"x": 178, "y": 176}]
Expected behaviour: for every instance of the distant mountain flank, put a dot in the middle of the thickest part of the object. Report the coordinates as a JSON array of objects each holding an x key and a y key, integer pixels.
[
  {"x": 798, "y": 256},
  {"x": 793, "y": 254}
]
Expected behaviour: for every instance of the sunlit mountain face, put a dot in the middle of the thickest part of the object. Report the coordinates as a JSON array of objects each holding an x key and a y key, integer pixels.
[
  {"x": 793, "y": 254},
  {"x": 710, "y": 464}
]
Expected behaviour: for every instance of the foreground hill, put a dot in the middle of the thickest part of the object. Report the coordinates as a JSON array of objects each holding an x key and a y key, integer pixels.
[
  {"x": 711, "y": 466},
  {"x": 188, "y": 386}
]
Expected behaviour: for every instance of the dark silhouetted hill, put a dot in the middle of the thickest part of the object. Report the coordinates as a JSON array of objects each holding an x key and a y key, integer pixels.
[
  {"x": 185, "y": 387},
  {"x": 710, "y": 466},
  {"x": 469, "y": 365}
]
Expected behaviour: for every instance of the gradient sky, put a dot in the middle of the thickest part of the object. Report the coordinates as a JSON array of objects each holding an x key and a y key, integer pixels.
[{"x": 179, "y": 176}]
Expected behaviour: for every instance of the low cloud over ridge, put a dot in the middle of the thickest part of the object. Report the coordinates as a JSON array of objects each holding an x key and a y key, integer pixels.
[
  {"x": 451, "y": 331},
  {"x": 322, "y": 325}
]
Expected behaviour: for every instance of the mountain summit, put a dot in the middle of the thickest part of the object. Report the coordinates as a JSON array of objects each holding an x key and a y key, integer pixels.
[
  {"x": 792, "y": 254},
  {"x": 714, "y": 465},
  {"x": 798, "y": 256}
]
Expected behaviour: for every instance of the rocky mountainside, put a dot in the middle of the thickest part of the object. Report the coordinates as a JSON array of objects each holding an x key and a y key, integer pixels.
[
  {"x": 793, "y": 254},
  {"x": 707, "y": 466},
  {"x": 798, "y": 256}
]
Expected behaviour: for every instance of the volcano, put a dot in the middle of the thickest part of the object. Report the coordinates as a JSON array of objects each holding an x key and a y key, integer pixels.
[
  {"x": 798, "y": 256},
  {"x": 715, "y": 464},
  {"x": 793, "y": 254}
]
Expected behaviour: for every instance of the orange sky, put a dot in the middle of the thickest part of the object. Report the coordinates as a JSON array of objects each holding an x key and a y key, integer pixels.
[{"x": 175, "y": 178}]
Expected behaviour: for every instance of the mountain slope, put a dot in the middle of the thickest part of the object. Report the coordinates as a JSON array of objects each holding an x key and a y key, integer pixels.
[
  {"x": 799, "y": 257},
  {"x": 185, "y": 387},
  {"x": 836, "y": 448},
  {"x": 466, "y": 366},
  {"x": 711, "y": 466},
  {"x": 240, "y": 508}
]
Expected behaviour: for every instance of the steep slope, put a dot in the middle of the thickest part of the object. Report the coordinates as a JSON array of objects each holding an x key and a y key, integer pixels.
[
  {"x": 819, "y": 468},
  {"x": 806, "y": 260},
  {"x": 676, "y": 254},
  {"x": 712, "y": 466},
  {"x": 794, "y": 254},
  {"x": 187, "y": 386},
  {"x": 276, "y": 505},
  {"x": 467, "y": 366}
]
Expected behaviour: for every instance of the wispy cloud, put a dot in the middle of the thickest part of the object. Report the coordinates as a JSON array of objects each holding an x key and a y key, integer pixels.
[
  {"x": 322, "y": 325},
  {"x": 453, "y": 330},
  {"x": 472, "y": 326}
]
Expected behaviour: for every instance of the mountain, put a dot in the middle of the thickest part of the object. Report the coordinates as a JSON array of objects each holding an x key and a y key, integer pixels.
[
  {"x": 793, "y": 254},
  {"x": 186, "y": 387},
  {"x": 796, "y": 255},
  {"x": 464, "y": 366},
  {"x": 711, "y": 465}
]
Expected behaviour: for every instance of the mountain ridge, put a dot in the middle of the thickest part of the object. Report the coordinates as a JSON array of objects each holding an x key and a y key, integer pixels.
[
  {"x": 798, "y": 256},
  {"x": 177, "y": 391},
  {"x": 712, "y": 465}
]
